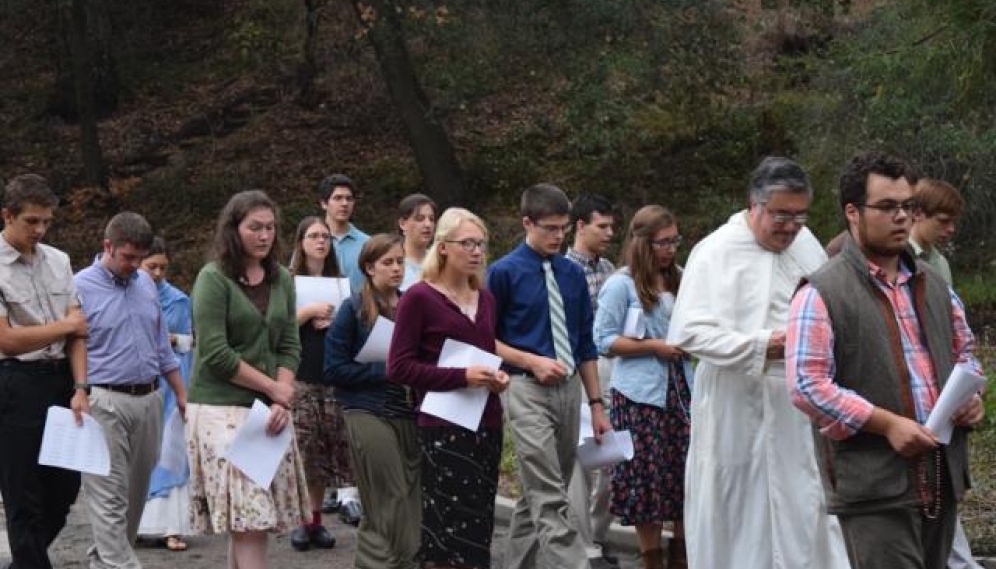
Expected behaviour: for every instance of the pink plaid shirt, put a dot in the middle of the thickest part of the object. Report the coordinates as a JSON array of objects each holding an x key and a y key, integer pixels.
[{"x": 810, "y": 366}]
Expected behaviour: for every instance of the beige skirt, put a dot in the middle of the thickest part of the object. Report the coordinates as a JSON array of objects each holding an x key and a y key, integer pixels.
[{"x": 222, "y": 499}]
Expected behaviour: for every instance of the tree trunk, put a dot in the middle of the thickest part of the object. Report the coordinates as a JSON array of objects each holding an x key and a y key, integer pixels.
[
  {"x": 86, "y": 105},
  {"x": 308, "y": 69},
  {"x": 436, "y": 158}
]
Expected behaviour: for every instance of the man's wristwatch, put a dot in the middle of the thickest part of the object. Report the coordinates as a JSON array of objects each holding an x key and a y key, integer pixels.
[
  {"x": 596, "y": 401},
  {"x": 84, "y": 386}
]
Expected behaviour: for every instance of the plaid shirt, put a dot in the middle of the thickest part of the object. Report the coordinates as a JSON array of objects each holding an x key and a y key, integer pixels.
[
  {"x": 810, "y": 365},
  {"x": 596, "y": 271}
]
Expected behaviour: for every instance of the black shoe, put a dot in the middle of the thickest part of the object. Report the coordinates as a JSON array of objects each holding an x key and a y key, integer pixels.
[
  {"x": 300, "y": 539},
  {"x": 607, "y": 553},
  {"x": 351, "y": 512},
  {"x": 321, "y": 538}
]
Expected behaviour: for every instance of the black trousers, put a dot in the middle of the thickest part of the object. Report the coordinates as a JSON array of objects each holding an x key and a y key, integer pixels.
[{"x": 36, "y": 498}]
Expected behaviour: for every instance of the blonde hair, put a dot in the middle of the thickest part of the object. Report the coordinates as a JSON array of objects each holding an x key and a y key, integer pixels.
[{"x": 446, "y": 226}]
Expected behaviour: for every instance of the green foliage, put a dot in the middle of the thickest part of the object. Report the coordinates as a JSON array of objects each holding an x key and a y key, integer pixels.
[{"x": 909, "y": 80}]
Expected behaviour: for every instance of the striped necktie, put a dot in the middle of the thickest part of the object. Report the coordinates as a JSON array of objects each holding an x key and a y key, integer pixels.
[{"x": 558, "y": 322}]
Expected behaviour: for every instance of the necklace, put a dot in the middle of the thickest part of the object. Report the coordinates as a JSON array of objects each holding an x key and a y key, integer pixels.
[{"x": 467, "y": 309}]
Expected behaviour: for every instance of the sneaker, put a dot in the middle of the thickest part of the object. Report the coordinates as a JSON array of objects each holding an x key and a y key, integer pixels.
[
  {"x": 300, "y": 538},
  {"x": 321, "y": 537},
  {"x": 351, "y": 512},
  {"x": 330, "y": 505}
]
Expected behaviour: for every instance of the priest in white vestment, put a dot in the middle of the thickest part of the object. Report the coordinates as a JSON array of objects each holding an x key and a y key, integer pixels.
[{"x": 753, "y": 496}]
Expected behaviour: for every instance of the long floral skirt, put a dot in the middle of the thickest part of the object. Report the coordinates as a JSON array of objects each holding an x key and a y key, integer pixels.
[
  {"x": 222, "y": 499},
  {"x": 650, "y": 488}
]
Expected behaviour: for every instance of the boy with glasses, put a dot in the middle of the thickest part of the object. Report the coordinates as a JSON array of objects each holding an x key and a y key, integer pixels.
[{"x": 544, "y": 320}]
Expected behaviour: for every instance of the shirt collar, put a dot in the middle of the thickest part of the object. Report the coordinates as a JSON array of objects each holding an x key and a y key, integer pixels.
[
  {"x": 583, "y": 258},
  {"x": 9, "y": 255},
  {"x": 352, "y": 233},
  {"x": 111, "y": 277},
  {"x": 902, "y": 277},
  {"x": 921, "y": 251}
]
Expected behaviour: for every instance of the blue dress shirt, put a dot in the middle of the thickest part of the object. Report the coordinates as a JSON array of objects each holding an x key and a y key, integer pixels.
[
  {"x": 128, "y": 340},
  {"x": 642, "y": 379},
  {"x": 518, "y": 284},
  {"x": 347, "y": 253}
]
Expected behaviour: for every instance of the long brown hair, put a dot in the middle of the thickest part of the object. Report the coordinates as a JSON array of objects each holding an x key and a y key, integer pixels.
[
  {"x": 299, "y": 262},
  {"x": 638, "y": 254},
  {"x": 372, "y": 303},
  {"x": 228, "y": 251}
]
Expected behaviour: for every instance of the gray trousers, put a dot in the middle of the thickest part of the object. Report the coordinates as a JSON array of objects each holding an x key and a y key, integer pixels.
[
  {"x": 544, "y": 424},
  {"x": 386, "y": 462},
  {"x": 901, "y": 538},
  {"x": 133, "y": 427},
  {"x": 588, "y": 492}
]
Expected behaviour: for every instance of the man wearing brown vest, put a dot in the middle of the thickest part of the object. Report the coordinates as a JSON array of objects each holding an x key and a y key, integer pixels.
[{"x": 872, "y": 338}]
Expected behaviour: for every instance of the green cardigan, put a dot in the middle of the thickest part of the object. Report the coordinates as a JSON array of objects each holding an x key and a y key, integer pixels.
[{"x": 230, "y": 329}]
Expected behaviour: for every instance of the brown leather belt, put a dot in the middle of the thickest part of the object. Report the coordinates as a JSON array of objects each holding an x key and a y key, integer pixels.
[{"x": 131, "y": 388}]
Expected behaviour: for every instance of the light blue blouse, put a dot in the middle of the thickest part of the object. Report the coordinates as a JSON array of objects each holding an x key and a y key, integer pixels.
[{"x": 640, "y": 378}]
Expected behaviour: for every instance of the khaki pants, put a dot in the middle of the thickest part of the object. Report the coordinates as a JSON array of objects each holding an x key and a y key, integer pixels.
[
  {"x": 544, "y": 424},
  {"x": 386, "y": 462},
  {"x": 133, "y": 427}
]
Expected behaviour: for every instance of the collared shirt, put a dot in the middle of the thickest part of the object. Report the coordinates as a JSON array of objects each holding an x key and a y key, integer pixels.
[
  {"x": 36, "y": 292},
  {"x": 597, "y": 270},
  {"x": 518, "y": 283},
  {"x": 930, "y": 255},
  {"x": 810, "y": 367},
  {"x": 347, "y": 253},
  {"x": 128, "y": 339},
  {"x": 642, "y": 378}
]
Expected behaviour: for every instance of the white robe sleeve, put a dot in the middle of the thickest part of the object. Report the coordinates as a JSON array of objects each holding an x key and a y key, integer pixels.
[{"x": 717, "y": 317}]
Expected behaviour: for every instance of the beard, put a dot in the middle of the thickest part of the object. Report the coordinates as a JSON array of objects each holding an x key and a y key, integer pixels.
[{"x": 883, "y": 249}]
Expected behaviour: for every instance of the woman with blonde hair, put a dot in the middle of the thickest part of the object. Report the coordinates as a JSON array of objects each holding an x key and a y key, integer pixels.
[
  {"x": 651, "y": 384},
  {"x": 459, "y": 466}
]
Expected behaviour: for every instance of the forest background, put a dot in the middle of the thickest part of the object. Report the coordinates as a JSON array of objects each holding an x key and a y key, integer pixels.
[{"x": 168, "y": 107}]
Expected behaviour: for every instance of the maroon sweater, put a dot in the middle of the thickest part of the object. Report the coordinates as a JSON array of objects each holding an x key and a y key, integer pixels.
[{"x": 425, "y": 319}]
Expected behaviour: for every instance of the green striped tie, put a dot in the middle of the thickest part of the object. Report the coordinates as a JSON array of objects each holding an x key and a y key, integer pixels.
[{"x": 558, "y": 323}]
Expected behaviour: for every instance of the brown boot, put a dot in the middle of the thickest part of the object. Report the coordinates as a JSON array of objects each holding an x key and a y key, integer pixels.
[
  {"x": 653, "y": 559},
  {"x": 676, "y": 557}
]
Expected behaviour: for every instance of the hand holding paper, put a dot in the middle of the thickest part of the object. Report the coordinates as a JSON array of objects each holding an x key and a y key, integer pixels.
[
  {"x": 253, "y": 451},
  {"x": 962, "y": 384},
  {"x": 616, "y": 446},
  {"x": 66, "y": 445},
  {"x": 463, "y": 407}
]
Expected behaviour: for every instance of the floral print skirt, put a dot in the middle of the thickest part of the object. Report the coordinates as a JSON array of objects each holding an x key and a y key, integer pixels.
[
  {"x": 459, "y": 481},
  {"x": 650, "y": 488},
  {"x": 321, "y": 436},
  {"x": 222, "y": 499}
]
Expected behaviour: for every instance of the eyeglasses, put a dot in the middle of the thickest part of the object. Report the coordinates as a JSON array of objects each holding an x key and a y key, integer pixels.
[
  {"x": 469, "y": 245},
  {"x": 318, "y": 236},
  {"x": 783, "y": 217},
  {"x": 667, "y": 242},
  {"x": 553, "y": 229},
  {"x": 891, "y": 208}
]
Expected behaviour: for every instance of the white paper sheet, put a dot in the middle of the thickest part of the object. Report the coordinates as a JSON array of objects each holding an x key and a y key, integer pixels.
[
  {"x": 463, "y": 407},
  {"x": 960, "y": 387},
  {"x": 173, "y": 454},
  {"x": 378, "y": 344},
  {"x": 255, "y": 453},
  {"x": 635, "y": 325},
  {"x": 616, "y": 446},
  {"x": 310, "y": 290},
  {"x": 586, "y": 431},
  {"x": 74, "y": 448}
]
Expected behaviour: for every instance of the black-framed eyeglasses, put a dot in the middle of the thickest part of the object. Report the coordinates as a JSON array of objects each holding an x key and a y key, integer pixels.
[
  {"x": 891, "y": 208},
  {"x": 666, "y": 242},
  {"x": 469, "y": 245}
]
